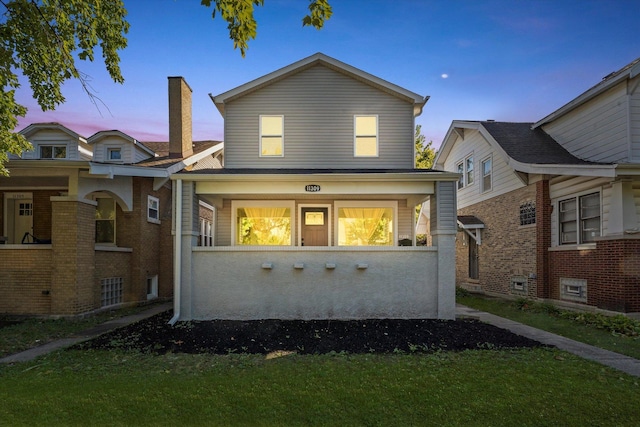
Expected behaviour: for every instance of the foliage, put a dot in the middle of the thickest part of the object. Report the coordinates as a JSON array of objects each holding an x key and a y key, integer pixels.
[
  {"x": 615, "y": 333},
  {"x": 425, "y": 154},
  {"x": 512, "y": 388},
  {"x": 41, "y": 40},
  {"x": 241, "y": 23},
  {"x": 617, "y": 325},
  {"x": 30, "y": 333}
]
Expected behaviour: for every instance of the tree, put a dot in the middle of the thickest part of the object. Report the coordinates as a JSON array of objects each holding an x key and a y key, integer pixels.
[
  {"x": 425, "y": 154},
  {"x": 41, "y": 39}
]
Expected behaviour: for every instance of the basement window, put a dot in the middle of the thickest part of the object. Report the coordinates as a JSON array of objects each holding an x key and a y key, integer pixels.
[
  {"x": 519, "y": 285},
  {"x": 528, "y": 213},
  {"x": 111, "y": 291},
  {"x": 573, "y": 289}
]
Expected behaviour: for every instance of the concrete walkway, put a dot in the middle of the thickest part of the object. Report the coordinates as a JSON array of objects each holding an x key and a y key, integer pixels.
[
  {"x": 85, "y": 335},
  {"x": 625, "y": 364}
]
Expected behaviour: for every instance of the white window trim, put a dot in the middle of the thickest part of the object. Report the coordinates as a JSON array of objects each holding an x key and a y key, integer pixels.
[
  {"x": 556, "y": 218},
  {"x": 149, "y": 218},
  {"x": 366, "y": 204},
  {"x": 482, "y": 175},
  {"x": 355, "y": 135},
  {"x": 109, "y": 150},
  {"x": 580, "y": 285},
  {"x": 154, "y": 287},
  {"x": 53, "y": 146},
  {"x": 260, "y": 135},
  {"x": 235, "y": 204},
  {"x": 463, "y": 162},
  {"x": 300, "y": 206},
  {"x": 212, "y": 229}
]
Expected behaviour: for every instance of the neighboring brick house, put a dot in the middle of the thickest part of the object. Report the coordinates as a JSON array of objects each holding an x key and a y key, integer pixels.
[
  {"x": 87, "y": 222},
  {"x": 551, "y": 209},
  {"x": 317, "y": 193}
]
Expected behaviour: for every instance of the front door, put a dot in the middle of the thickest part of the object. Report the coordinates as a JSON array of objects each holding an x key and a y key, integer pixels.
[
  {"x": 21, "y": 222},
  {"x": 315, "y": 227},
  {"x": 473, "y": 259}
]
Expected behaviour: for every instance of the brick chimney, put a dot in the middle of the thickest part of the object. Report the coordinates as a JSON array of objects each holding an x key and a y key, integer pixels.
[{"x": 180, "y": 142}]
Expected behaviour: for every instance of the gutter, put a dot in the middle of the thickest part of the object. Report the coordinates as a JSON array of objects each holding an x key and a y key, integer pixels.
[{"x": 177, "y": 261}]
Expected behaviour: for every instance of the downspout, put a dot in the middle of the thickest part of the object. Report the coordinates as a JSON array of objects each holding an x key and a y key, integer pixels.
[{"x": 177, "y": 260}]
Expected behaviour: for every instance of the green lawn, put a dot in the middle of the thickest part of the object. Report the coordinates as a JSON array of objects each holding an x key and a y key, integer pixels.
[
  {"x": 546, "y": 317},
  {"x": 500, "y": 388}
]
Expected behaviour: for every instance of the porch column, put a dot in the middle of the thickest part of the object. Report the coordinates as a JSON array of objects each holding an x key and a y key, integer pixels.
[
  {"x": 443, "y": 232},
  {"x": 622, "y": 209},
  {"x": 73, "y": 287},
  {"x": 187, "y": 231}
]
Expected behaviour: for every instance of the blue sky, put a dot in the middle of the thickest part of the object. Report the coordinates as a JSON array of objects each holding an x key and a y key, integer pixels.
[{"x": 506, "y": 60}]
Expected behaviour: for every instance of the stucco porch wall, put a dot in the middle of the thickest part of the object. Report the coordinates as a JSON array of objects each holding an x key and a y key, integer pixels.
[{"x": 366, "y": 283}]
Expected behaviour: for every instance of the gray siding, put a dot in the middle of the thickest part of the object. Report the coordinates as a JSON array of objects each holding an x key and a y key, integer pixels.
[
  {"x": 598, "y": 130},
  {"x": 634, "y": 126},
  {"x": 318, "y": 105}
]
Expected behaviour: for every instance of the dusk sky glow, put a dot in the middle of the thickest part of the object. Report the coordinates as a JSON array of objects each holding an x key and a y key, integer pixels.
[{"x": 506, "y": 60}]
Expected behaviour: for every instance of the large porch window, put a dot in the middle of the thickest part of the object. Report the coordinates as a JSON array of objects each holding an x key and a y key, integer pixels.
[
  {"x": 366, "y": 223},
  {"x": 262, "y": 222}
]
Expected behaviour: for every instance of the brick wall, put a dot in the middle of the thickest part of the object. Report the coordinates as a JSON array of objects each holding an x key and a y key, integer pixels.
[
  {"x": 612, "y": 272},
  {"x": 73, "y": 236},
  {"x": 508, "y": 250},
  {"x": 25, "y": 280}
]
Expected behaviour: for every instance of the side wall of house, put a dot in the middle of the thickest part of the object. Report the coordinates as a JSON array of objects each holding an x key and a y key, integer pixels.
[
  {"x": 610, "y": 273},
  {"x": 599, "y": 129},
  {"x": 507, "y": 251},
  {"x": 474, "y": 145},
  {"x": 318, "y": 105}
]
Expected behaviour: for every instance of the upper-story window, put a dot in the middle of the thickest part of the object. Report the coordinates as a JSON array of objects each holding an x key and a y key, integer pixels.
[
  {"x": 366, "y": 136},
  {"x": 271, "y": 136},
  {"x": 579, "y": 219},
  {"x": 465, "y": 169},
  {"x": 53, "y": 151},
  {"x": 486, "y": 174},
  {"x": 114, "y": 154}
]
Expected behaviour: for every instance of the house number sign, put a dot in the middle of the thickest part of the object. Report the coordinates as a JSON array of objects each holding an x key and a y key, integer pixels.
[{"x": 312, "y": 188}]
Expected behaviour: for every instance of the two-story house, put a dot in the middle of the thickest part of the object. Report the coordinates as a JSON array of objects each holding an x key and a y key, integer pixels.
[
  {"x": 86, "y": 222},
  {"x": 551, "y": 209},
  {"x": 317, "y": 192}
]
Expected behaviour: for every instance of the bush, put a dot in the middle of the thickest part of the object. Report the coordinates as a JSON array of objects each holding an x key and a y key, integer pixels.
[{"x": 617, "y": 325}]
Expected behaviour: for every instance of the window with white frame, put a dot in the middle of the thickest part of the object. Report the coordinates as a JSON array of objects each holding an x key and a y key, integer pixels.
[
  {"x": 366, "y": 136},
  {"x": 153, "y": 209},
  {"x": 114, "y": 154},
  {"x": 271, "y": 136},
  {"x": 468, "y": 165},
  {"x": 53, "y": 151},
  {"x": 573, "y": 289},
  {"x": 366, "y": 223},
  {"x": 262, "y": 222},
  {"x": 466, "y": 171},
  {"x": 106, "y": 220},
  {"x": 579, "y": 219},
  {"x": 486, "y": 174}
]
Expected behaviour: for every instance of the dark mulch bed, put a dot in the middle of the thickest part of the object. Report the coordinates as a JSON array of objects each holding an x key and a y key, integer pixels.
[{"x": 307, "y": 337}]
